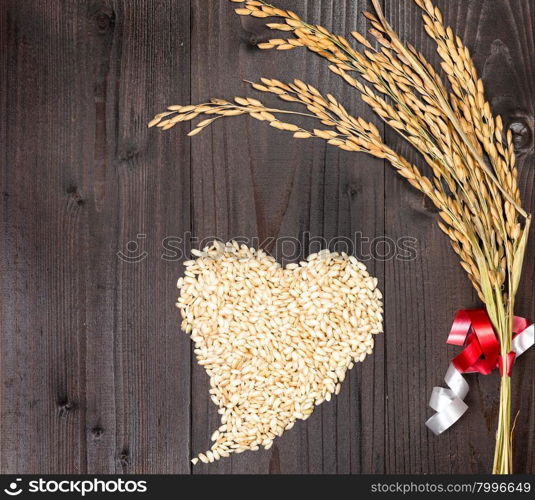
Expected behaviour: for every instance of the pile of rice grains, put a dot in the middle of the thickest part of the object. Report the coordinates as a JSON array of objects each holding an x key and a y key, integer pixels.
[{"x": 276, "y": 342}]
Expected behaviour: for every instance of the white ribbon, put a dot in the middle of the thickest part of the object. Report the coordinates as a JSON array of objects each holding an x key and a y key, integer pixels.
[
  {"x": 523, "y": 341},
  {"x": 449, "y": 403}
]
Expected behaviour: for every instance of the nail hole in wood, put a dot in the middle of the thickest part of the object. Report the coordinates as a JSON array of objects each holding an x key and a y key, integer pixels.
[
  {"x": 96, "y": 432},
  {"x": 65, "y": 407},
  {"x": 75, "y": 195},
  {"x": 522, "y": 132},
  {"x": 105, "y": 19},
  {"x": 124, "y": 458}
]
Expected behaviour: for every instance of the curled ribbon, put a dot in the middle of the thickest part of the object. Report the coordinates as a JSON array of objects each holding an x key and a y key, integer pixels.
[{"x": 481, "y": 354}]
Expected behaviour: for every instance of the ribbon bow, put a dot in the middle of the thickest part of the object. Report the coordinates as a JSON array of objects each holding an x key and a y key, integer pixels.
[{"x": 473, "y": 329}]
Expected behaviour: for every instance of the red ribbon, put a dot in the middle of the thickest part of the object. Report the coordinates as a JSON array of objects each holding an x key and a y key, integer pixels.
[{"x": 473, "y": 329}]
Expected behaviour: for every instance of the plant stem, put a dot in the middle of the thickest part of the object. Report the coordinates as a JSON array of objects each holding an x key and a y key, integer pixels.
[
  {"x": 503, "y": 451},
  {"x": 503, "y": 463}
]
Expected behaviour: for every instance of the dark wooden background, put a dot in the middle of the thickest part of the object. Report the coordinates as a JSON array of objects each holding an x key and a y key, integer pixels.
[{"x": 96, "y": 376}]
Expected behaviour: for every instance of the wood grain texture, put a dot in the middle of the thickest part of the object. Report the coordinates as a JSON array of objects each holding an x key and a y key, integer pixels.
[
  {"x": 95, "y": 375},
  {"x": 86, "y": 337}
]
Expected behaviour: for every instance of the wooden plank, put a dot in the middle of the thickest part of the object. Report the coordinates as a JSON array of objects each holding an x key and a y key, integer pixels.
[
  {"x": 251, "y": 181},
  {"x": 88, "y": 336},
  {"x": 153, "y": 182},
  {"x": 423, "y": 295},
  {"x": 44, "y": 337}
]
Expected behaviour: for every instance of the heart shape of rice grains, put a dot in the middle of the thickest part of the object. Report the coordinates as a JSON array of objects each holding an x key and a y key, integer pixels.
[{"x": 275, "y": 342}]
